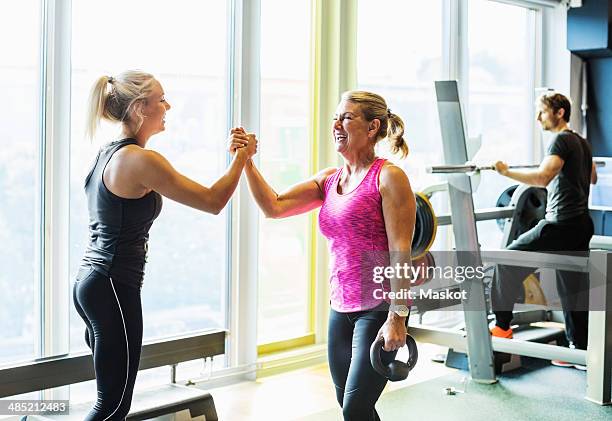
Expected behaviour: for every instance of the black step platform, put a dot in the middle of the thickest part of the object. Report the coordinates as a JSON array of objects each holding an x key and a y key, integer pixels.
[{"x": 151, "y": 403}]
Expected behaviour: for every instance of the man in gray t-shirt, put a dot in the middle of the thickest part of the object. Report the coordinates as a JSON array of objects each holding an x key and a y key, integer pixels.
[{"x": 566, "y": 171}]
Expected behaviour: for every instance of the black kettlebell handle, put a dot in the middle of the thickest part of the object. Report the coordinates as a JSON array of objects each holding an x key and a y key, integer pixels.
[{"x": 395, "y": 370}]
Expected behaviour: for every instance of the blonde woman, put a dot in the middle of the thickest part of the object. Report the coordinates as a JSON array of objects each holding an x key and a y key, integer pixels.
[
  {"x": 368, "y": 216},
  {"x": 124, "y": 194}
]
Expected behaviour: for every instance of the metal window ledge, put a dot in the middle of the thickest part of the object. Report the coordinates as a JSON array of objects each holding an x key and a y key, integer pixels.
[{"x": 64, "y": 370}]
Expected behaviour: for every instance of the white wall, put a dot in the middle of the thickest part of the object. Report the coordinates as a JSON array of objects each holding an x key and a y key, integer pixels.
[{"x": 555, "y": 56}]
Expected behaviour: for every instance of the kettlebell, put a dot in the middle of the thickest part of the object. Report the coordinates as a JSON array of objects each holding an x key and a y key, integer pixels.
[{"x": 396, "y": 370}]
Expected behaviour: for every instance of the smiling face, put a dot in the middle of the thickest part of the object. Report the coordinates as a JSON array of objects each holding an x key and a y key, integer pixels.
[
  {"x": 350, "y": 129},
  {"x": 154, "y": 111}
]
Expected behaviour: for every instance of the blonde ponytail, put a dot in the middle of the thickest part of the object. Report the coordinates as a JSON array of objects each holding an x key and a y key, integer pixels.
[
  {"x": 395, "y": 135},
  {"x": 97, "y": 102},
  {"x": 114, "y": 98}
]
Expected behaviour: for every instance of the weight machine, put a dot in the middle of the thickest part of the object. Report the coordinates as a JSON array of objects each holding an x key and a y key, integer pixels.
[{"x": 476, "y": 339}]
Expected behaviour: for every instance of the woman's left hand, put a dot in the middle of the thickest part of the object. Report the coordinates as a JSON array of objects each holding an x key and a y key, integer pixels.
[
  {"x": 238, "y": 139},
  {"x": 394, "y": 332}
]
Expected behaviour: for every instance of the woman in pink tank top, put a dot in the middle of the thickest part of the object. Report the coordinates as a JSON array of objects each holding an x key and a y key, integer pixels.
[{"x": 367, "y": 215}]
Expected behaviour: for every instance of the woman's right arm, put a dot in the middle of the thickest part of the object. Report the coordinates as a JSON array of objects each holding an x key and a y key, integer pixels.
[
  {"x": 297, "y": 199},
  {"x": 156, "y": 173}
]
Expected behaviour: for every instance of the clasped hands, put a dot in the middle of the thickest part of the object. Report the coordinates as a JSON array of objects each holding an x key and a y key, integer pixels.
[{"x": 240, "y": 140}]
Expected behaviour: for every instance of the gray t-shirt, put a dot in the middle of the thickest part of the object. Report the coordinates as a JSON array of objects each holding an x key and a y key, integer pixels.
[{"x": 568, "y": 192}]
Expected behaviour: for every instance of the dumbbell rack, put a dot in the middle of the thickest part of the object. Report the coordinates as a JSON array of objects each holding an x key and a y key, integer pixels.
[{"x": 476, "y": 340}]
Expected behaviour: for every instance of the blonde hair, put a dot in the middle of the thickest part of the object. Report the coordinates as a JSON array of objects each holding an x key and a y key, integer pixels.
[
  {"x": 113, "y": 99},
  {"x": 391, "y": 125}
]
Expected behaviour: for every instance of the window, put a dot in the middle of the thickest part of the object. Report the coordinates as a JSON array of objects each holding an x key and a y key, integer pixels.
[
  {"x": 185, "y": 46},
  {"x": 284, "y": 255},
  {"x": 20, "y": 189},
  {"x": 501, "y": 96},
  {"x": 400, "y": 53},
  {"x": 401, "y": 63}
]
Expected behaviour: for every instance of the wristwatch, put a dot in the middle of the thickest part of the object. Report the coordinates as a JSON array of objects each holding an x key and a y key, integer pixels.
[{"x": 401, "y": 310}]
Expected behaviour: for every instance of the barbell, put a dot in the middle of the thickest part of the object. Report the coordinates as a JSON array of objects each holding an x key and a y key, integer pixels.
[
  {"x": 472, "y": 168},
  {"x": 426, "y": 221}
]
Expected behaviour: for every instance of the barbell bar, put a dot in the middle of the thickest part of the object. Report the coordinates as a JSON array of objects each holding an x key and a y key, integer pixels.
[{"x": 467, "y": 168}]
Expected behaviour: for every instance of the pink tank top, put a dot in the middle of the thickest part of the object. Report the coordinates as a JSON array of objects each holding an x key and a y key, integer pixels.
[{"x": 354, "y": 226}]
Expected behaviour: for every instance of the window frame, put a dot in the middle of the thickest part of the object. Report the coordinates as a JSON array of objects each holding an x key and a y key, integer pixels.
[
  {"x": 309, "y": 336},
  {"x": 53, "y": 298}
]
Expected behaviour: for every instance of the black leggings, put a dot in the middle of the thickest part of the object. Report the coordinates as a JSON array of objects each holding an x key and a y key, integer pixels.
[
  {"x": 570, "y": 236},
  {"x": 113, "y": 315},
  {"x": 358, "y": 386}
]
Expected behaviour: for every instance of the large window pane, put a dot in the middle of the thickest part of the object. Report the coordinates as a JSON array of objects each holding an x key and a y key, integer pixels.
[
  {"x": 20, "y": 116},
  {"x": 401, "y": 63},
  {"x": 284, "y": 270},
  {"x": 184, "y": 44},
  {"x": 500, "y": 96}
]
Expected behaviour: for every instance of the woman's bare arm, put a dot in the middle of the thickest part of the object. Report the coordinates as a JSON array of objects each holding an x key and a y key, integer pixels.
[{"x": 153, "y": 171}]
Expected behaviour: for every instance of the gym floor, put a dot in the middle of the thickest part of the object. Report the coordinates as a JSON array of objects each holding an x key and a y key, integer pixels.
[
  {"x": 537, "y": 391},
  {"x": 305, "y": 392}
]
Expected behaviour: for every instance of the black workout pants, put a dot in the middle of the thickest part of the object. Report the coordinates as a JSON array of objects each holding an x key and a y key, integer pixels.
[
  {"x": 113, "y": 315},
  {"x": 573, "y": 235},
  {"x": 358, "y": 386}
]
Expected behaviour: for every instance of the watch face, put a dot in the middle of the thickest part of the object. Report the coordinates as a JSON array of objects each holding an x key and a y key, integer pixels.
[{"x": 401, "y": 310}]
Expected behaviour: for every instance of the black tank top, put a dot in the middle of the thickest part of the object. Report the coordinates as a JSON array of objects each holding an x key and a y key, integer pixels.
[{"x": 118, "y": 227}]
